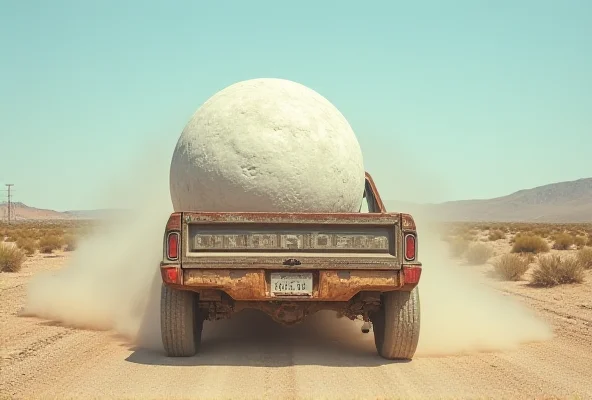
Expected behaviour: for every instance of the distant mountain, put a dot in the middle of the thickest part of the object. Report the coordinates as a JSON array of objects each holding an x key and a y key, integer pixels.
[
  {"x": 22, "y": 212},
  {"x": 557, "y": 202}
]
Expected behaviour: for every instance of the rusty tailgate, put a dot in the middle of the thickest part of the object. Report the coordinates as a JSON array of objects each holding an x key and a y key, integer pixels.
[{"x": 291, "y": 241}]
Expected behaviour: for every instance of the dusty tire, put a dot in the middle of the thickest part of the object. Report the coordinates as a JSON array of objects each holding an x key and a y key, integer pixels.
[
  {"x": 396, "y": 325},
  {"x": 181, "y": 322}
]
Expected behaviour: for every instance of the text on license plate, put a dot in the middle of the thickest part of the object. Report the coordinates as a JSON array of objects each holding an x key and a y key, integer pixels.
[{"x": 290, "y": 283}]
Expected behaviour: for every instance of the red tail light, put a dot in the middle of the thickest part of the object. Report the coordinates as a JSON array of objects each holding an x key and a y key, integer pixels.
[
  {"x": 173, "y": 246},
  {"x": 411, "y": 275},
  {"x": 409, "y": 247},
  {"x": 170, "y": 275}
]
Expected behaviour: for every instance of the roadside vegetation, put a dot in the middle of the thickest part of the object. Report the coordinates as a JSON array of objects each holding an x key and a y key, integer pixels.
[
  {"x": 529, "y": 243},
  {"x": 512, "y": 267},
  {"x": 45, "y": 237},
  {"x": 11, "y": 258},
  {"x": 545, "y": 255},
  {"x": 478, "y": 254},
  {"x": 585, "y": 257},
  {"x": 555, "y": 270},
  {"x": 563, "y": 241}
]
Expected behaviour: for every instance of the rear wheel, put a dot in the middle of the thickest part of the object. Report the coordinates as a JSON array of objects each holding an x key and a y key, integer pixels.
[
  {"x": 181, "y": 322},
  {"x": 396, "y": 325}
]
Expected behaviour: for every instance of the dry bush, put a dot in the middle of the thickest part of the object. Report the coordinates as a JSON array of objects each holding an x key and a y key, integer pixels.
[
  {"x": 70, "y": 242},
  {"x": 11, "y": 238},
  {"x": 580, "y": 241},
  {"x": 512, "y": 267},
  {"x": 563, "y": 241},
  {"x": 478, "y": 254},
  {"x": 529, "y": 244},
  {"x": 11, "y": 258},
  {"x": 585, "y": 257},
  {"x": 543, "y": 232},
  {"x": 458, "y": 246},
  {"x": 29, "y": 246},
  {"x": 48, "y": 244},
  {"x": 554, "y": 270},
  {"x": 496, "y": 235},
  {"x": 518, "y": 235}
]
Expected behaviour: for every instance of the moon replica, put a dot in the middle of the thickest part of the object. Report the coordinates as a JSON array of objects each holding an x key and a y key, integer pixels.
[{"x": 267, "y": 145}]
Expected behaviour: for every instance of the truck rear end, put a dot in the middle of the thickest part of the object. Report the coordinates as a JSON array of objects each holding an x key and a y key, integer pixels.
[{"x": 290, "y": 265}]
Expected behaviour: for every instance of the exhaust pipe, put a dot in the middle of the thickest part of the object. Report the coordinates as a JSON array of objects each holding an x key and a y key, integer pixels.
[{"x": 366, "y": 327}]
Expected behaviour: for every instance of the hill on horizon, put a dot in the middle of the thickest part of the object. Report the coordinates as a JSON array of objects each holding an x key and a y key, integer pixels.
[
  {"x": 561, "y": 202},
  {"x": 23, "y": 212}
]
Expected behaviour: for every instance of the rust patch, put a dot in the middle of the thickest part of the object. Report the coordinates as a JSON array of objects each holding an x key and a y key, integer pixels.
[
  {"x": 407, "y": 222},
  {"x": 370, "y": 182},
  {"x": 335, "y": 286},
  {"x": 291, "y": 218},
  {"x": 174, "y": 222},
  {"x": 328, "y": 285},
  {"x": 238, "y": 284}
]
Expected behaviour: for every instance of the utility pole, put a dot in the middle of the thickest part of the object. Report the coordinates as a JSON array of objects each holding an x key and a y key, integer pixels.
[{"x": 9, "y": 203}]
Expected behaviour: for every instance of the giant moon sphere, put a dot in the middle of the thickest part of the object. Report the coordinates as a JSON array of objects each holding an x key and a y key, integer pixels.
[{"x": 267, "y": 145}]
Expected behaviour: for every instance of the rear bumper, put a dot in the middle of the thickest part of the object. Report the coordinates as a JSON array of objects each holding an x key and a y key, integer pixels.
[{"x": 255, "y": 284}]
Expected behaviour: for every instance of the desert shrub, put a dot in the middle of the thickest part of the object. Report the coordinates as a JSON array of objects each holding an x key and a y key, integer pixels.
[
  {"x": 70, "y": 242},
  {"x": 554, "y": 270},
  {"x": 54, "y": 232},
  {"x": 542, "y": 232},
  {"x": 585, "y": 257},
  {"x": 530, "y": 244},
  {"x": 563, "y": 241},
  {"x": 11, "y": 258},
  {"x": 517, "y": 236},
  {"x": 48, "y": 244},
  {"x": 511, "y": 267},
  {"x": 458, "y": 247},
  {"x": 496, "y": 235},
  {"x": 478, "y": 254},
  {"x": 29, "y": 246},
  {"x": 580, "y": 241}
]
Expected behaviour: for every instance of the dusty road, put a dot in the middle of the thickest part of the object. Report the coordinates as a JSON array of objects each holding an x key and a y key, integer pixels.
[{"x": 251, "y": 357}]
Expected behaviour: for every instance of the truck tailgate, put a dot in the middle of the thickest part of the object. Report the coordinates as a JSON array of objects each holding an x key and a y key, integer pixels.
[{"x": 290, "y": 241}]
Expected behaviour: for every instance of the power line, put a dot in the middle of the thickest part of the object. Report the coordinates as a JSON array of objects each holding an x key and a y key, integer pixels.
[{"x": 9, "y": 207}]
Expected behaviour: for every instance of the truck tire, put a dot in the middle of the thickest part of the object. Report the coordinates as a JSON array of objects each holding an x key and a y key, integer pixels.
[
  {"x": 181, "y": 322},
  {"x": 396, "y": 325}
]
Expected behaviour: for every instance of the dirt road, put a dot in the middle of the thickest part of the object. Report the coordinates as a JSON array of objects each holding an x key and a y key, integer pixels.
[{"x": 251, "y": 357}]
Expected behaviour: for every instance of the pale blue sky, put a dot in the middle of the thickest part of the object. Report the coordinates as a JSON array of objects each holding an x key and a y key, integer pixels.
[{"x": 452, "y": 100}]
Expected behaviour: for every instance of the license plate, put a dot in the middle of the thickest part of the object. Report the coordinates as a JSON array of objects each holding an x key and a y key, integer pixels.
[{"x": 291, "y": 284}]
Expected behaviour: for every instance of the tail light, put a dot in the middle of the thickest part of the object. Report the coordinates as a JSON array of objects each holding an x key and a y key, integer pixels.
[
  {"x": 410, "y": 247},
  {"x": 173, "y": 246},
  {"x": 170, "y": 275},
  {"x": 411, "y": 275}
]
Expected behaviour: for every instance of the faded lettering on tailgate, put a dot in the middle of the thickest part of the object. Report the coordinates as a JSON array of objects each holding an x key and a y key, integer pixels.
[{"x": 227, "y": 240}]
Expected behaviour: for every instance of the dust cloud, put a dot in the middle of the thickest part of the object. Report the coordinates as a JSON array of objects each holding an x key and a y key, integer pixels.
[
  {"x": 460, "y": 313},
  {"x": 112, "y": 283}
]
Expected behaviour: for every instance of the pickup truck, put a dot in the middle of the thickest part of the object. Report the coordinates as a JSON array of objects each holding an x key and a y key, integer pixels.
[{"x": 363, "y": 265}]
